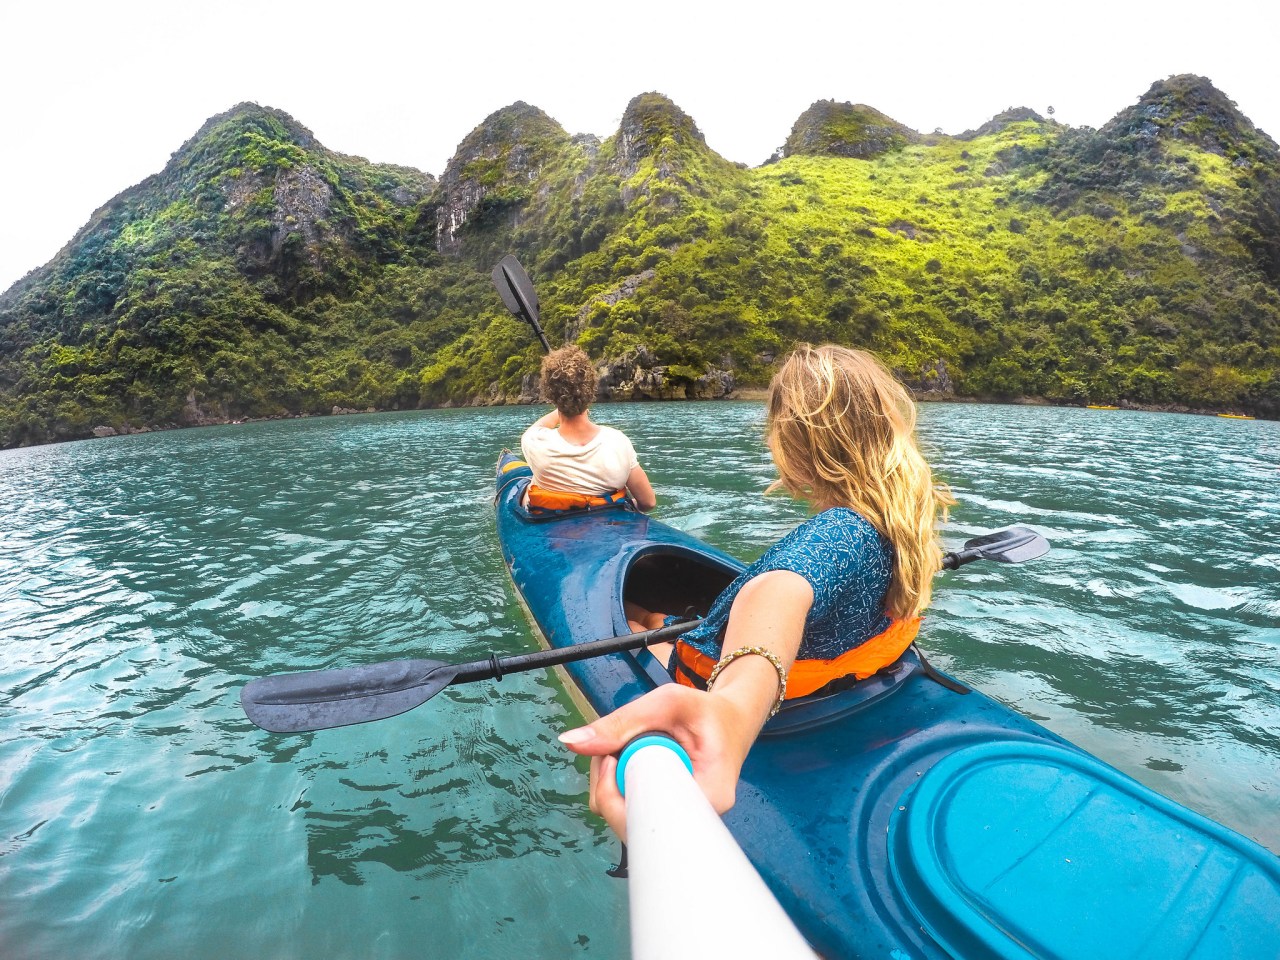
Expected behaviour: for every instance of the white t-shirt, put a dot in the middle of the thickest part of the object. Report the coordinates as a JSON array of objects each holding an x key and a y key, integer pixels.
[{"x": 600, "y": 466}]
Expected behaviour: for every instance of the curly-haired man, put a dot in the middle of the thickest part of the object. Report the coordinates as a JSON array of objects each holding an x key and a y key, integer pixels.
[{"x": 575, "y": 462}]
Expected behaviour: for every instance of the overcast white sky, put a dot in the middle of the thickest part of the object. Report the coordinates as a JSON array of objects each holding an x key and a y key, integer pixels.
[{"x": 95, "y": 96}]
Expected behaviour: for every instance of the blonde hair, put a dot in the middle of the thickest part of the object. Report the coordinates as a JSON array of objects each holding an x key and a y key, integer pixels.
[
  {"x": 569, "y": 380},
  {"x": 842, "y": 433}
]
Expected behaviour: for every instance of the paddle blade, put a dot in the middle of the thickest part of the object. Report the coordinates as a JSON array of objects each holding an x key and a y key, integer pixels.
[
  {"x": 1013, "y": 545},
  {"x": 321, "y": 699},
  {"x": 516, "y": 289}
]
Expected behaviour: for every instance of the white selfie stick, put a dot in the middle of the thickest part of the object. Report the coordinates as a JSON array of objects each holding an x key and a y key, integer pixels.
[{"x": 693, "y": 891}]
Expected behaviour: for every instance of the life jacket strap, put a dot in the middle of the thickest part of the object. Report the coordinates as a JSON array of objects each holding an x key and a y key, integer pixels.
[{"x": 692, "y": 667}]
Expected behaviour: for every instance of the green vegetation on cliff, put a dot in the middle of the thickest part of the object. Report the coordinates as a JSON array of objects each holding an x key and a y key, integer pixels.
[{"x": 260, "y": 274}]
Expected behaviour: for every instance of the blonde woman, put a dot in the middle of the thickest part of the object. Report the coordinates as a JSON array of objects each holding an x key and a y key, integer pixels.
[{"x": 835, "y": 600}]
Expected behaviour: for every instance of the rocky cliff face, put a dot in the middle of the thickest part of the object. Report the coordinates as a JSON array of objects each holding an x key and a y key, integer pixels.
[
  {"x": 653, "y": 126},
  {"x": 281, "y": 185},
  {"x": 635, "y": 376},
  {"x": 301, "y": 206},
  {"x": 252, "y": 186},
  {"x": 495, "y": 169},
  {"x": 1143, "y": 150},
  {"x": 933, "y": 382},
  {"x": 638, "y": 376},
  {"x": 1190, "y": 108},
  {"x": 836, "y": 129}
]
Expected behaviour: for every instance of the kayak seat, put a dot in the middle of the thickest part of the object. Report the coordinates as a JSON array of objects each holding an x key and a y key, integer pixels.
[{"x": 1019, "y": 849}]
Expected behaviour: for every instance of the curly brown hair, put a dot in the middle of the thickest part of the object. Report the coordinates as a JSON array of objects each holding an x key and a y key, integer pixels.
[{"x": 569, "y": 380}]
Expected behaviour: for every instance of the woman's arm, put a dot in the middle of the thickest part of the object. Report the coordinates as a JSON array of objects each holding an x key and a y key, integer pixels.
[
  {"x": 717, "y": 727},
  {"x": 641, "y": 490}
]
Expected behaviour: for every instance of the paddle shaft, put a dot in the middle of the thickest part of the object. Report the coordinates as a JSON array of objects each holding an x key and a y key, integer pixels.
[{"x": 495, "y": 668}]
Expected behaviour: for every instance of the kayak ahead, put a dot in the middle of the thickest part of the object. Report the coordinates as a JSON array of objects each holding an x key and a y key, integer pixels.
[{"x": 907, "y": 816}]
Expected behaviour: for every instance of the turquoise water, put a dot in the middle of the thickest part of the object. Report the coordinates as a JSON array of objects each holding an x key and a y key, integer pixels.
[{"x": 144, "y": 579}]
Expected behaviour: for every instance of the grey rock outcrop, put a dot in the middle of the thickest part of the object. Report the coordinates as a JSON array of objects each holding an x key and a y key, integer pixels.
[
  {"x": 935, "y": 381},
  {"x": 652, "y": 126},
  {"x": 834, "y": 129},
  {"x": 494, "y": 169},
  {"x": 635, "y": 376}
]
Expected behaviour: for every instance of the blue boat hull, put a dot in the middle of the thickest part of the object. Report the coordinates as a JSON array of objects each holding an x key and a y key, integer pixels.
[{"x": 902, "y": 818}]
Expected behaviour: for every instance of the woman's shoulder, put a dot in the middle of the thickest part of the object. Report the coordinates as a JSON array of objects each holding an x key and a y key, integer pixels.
[
  {"x": 838, "y": 521},
  {"x": 829, "y": 549},
  {"x": 841, "y": 531}
]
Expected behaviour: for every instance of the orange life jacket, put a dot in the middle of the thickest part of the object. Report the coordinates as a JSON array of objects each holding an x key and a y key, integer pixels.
[
  {"x": 540, "y": 500},
  {"x": 809, "y": 676}
]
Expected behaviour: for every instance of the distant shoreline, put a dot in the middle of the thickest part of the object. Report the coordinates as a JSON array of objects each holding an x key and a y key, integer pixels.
[{"x": 758, "y": 394}]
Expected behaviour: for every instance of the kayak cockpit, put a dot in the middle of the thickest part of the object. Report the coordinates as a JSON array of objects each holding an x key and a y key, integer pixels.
[{"x": 675, "y": 581}]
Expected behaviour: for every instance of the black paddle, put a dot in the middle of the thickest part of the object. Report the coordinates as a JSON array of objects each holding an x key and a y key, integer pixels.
[
  {"x": 1011, "y": 545},
  {"x": 293, "y": 702},
  {"x": 320, "y": 699},
  {"x": 517, "y": 293}
]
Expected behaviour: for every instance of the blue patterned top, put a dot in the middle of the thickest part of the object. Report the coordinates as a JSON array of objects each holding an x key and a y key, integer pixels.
[{"x": 848, "y": 564}]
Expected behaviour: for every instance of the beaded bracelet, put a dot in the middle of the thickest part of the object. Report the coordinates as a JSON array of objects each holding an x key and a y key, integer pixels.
[{"x": 769, "y": 655}]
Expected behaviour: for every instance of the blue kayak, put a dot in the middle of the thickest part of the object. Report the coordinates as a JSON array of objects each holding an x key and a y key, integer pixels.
[{"x": 908, "y": 816}]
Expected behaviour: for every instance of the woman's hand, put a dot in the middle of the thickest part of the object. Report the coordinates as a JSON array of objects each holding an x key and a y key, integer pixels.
[
  {"x": 716, "y": 728},
  {"x": 713, "y": 730}
]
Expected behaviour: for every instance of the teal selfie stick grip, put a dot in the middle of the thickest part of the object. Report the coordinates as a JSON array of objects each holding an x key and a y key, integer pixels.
[{"x": 649, "y": 740}]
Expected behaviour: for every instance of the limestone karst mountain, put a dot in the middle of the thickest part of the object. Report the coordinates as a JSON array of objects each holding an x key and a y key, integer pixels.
[{"x": 260, "y": 274}]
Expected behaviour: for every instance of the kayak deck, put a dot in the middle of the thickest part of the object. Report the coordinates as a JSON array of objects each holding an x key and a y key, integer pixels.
[
  {"x": 997, "y": 851},
  {"x": 901, "y": 817}
]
